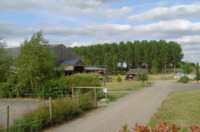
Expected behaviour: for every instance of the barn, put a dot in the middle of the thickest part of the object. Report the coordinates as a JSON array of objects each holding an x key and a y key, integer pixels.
[{"x": 64, "y": 56}]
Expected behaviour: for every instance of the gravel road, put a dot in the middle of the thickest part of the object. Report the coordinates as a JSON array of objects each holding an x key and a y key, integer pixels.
[
  {"x": 16, "y": 108},
  {"x": 138, "y": 107}
]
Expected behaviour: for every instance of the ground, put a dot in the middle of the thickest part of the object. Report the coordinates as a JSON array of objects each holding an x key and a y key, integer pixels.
[{"x": 138, "y": 107}]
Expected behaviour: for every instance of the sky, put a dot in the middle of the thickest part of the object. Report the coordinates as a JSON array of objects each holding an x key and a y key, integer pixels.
[{"x": 88, "y": 22}]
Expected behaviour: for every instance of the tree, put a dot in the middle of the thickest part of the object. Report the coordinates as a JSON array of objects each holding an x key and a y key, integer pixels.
[
  {"x": 154, "y": 68},
  {"x": 187, "y": 68},
  {"x": 36, "y": 62},
  {"x": 197, "y": 72},
  {"x": 5, "y": 60}
]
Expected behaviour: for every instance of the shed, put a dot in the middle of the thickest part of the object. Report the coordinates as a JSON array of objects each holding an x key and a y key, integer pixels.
[{"x": 134, "y": 72}]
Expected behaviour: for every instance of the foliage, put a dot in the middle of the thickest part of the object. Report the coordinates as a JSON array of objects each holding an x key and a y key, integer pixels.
[
  {"x": 159, "y": 128},
  {"x": 5, "y": 61},
  {"x": 119, "y": 78},
  {"x": 36, "y": 62},
  {"x": 187, "y": 68},
  {"x": 142, "y": 76},
  {"x": 197, "y": 72},
  {"x": 62, "y": 110},
  {"x": 112, "y": 56},
  {"x": 154, "y": 68},
  {"x": 89, "y": 79},
  {"x": 184, "y": 79},
  {"x": 1, "y": 128}
]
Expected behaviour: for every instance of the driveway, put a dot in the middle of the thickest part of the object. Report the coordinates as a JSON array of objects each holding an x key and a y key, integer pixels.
[{"x": 137, "y": 107}]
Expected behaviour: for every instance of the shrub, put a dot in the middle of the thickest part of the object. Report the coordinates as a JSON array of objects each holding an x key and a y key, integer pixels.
[
  {"x": 62, "y": 110},
  {"x": 119, "y": 78},
  {"x": 159, "y": 128},
  {"x": 184, "y": 79},
  {"x": 142, "y": 76},
  {"x": 89, "y": 79}
]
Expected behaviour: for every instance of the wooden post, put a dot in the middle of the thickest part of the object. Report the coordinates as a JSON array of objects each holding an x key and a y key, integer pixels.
[
  {"x": 95, "y": 97},
  {"x": 43, "y": 92},
  {"x": 50, "y": 111},
  {"x": 77, "y": 99},
  {"x": 7, "y": 119},
  {"x": 106, "y": 98},
  {"x": 72, "y": 93}
]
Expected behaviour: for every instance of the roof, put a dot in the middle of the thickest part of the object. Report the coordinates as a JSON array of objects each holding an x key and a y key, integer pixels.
[
  {"x": 70, "y": 62},
  {"x": 136, "y": 71},
  {"x": 62, "y": 53}
]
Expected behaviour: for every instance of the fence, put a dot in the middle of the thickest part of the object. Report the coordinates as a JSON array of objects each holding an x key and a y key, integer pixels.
[
  {"x": 43, "y": 93},
  {"x": 53, "y": 117}
]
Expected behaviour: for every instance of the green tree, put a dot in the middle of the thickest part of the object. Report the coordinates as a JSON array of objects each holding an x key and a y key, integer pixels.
[
  {"x": 36, "y": 62},
  {"x": 197, "y": 72},
  {"x": 187, "y": 68},
  {"x": 154, "y": 68},
  {"x": 5, "y": 60}
]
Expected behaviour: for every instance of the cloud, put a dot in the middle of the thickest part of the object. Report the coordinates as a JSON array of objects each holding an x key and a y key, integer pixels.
[
  {"x": 189, "y": 39},
  {"x": 164, "y": 13},
  {"x": 66, "y": 7}
]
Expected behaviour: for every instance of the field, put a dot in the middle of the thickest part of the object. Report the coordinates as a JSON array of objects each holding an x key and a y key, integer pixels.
[
  {"x": 180, "y": 108},
  {"x": 113, "y": 85},
  {"x": 161, "y": 76}
]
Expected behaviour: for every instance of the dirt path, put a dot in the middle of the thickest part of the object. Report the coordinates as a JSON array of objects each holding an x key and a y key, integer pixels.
[{"x": 138, "y": 107}]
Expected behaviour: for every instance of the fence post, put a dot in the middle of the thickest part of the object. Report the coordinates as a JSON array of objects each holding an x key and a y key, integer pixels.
[
  {"x": 7, "y": 119},
  {"x": 50, "y": 110},
  {"x": 95, "y": 97},
  {"x": 72, "y": 93},
  {"x": 77, "y": 99}
]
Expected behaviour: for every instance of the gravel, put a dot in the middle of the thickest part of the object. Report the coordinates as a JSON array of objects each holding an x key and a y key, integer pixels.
[
  {"x": 16, "y": 108},
  {"x": 137, "y": 107}
]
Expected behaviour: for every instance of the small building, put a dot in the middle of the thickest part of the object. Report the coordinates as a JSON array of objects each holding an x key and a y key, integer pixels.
[
  {"x": 64, "y": 56},
  {"x": 133, "y": 72}
]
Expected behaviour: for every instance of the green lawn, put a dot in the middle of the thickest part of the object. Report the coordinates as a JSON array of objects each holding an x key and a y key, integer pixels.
[
  {"x": 115, "y": 96},
  {"x": 113, "y": 85},
  {"x": 181, "y": 108}
]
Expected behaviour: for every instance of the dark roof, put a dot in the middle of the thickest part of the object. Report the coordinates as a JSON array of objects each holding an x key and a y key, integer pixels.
[
  {"x": 70, "y": 62},
  {"x": 136, "y": 71},
  {"x": 62, "y": 53}
]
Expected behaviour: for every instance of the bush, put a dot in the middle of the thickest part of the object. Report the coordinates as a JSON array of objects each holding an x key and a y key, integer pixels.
[
  {"x": 89, "y": 79},
  {"x": 62, "y": 110},
  {"x": 159, "y": 128},
  {"x": 119, "y": 78},
  {"x": 142, "y": 76},
  {"x": 184, "y": 79}
]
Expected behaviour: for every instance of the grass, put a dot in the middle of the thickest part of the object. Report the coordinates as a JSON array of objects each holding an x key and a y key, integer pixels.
[
  {"x": 123, "y": 85},
  {"x": 180, "y": 108},
  {"x": 114, "y": 96},
  {"x": 161, "y": 76}
]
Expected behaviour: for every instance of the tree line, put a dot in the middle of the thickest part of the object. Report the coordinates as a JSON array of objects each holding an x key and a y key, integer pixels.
[{"x": 155, "y": 55}]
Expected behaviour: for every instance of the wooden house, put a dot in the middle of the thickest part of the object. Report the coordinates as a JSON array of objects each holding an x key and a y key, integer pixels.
[{"x": 64, "y": 56}]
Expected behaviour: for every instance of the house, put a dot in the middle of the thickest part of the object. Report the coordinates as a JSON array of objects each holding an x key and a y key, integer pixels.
[
  {"x": 64, "y": 56},
  {"x": 133, "y": 72}
]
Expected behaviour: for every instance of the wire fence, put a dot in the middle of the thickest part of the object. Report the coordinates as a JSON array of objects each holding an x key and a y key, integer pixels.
[{"x": 15, "y": 109}]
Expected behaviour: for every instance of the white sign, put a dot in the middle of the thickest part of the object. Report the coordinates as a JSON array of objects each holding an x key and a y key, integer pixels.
[{"x": 105, "y": 90}]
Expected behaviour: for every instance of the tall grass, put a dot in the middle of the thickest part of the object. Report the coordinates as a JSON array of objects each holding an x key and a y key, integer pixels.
[
  {"x": 62, "y": 110},
  {"x": 89, "y": 79}
]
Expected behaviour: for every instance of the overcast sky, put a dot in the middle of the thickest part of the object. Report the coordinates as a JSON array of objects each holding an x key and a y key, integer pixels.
[{"x": 86, "y": 22}]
